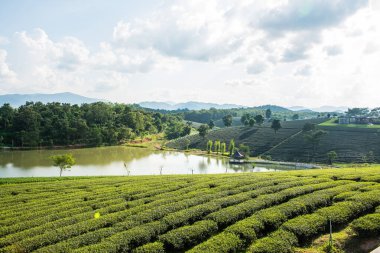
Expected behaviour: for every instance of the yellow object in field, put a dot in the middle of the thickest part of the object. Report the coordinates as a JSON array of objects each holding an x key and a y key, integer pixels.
[{"x": 97, "y": 215}]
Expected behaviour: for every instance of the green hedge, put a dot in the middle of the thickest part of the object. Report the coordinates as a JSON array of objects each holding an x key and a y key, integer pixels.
[{"x": 368, "y": 225}]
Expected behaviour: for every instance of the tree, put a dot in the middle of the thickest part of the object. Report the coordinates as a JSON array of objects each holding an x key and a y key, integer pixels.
[
  {"x": 245, "y": 119},
  {"x": 231, "y": 147},
  {"x": 202, "y": 130},
  {"x": 211, "y": 124},
  {"x": 259, "y": 119},
  {"x": 331, "y": 156},
  {"x": 314, "y": 137},
  {"x": 244, "y": 148},
  {"x": 217, "y": 146},
  {"x": 352, "y": 112},
  {"x": 251, "y": 122},
  {"x": 227, "y": 120},
  {"x": 308, "y": 127},
  {"x": 268, "y": 113},
  {"x": 276, "y": 125},
  {"x": 64, "y": 162},
  {"x": 209, "y": 146},
  {"x": 295, "y": 117},
  {"x": 187, "y": 143},
  {"x": 223, "y": 148}
]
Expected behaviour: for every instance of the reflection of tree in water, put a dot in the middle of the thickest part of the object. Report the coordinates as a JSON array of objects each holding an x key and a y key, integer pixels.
[
  {"x": 208, "y": 160},
  {"x": 202, "y": 166},
  {"x": 88, "y": 156}
]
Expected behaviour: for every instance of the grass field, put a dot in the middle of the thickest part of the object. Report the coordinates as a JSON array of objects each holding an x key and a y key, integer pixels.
[{"x": 246, "y": 212}]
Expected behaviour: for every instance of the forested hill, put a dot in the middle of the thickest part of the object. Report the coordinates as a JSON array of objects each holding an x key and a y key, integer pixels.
[{"x": 38, "y": 124}]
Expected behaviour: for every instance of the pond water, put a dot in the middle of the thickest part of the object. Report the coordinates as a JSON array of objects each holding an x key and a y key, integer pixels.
[{"x": 117, "y": 161}]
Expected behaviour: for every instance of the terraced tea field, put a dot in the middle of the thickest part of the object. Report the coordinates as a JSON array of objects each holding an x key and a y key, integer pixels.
[{"x": 246, "y": 212}]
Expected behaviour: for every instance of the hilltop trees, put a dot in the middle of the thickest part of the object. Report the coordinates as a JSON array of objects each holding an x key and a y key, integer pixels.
[
  {"x": 245, "y": 119},
  {"x": 211, "y": 124},
  {"x": 259, "y": 119},
  {"x": 227, "y": 120},
  {"x": 276, "y": 125},
  {"x": 37, "y": 124},
  {"x": 202, "y": 130},
  {"x": 268, "y": 113}
]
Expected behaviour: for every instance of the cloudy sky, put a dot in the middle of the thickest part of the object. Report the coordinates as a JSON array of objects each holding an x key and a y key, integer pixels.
[{"x": 250, "y": 52}]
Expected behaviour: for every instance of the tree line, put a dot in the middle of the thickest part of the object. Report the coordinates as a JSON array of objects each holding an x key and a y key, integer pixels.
[{"x": 38, "y": 124}]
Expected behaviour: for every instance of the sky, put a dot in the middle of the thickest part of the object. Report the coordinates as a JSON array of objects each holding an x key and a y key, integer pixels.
[{"x": 248, "y": 52}]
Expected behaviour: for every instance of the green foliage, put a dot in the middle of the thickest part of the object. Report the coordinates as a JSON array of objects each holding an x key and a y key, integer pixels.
[
  {"x": 223, "y": 242},
  {"x": 217, "y": 146},
  {"x": 227, "y": 120},
  {"x": 211, "y": 124},
  {"x": 245, "y": 149},
  {"x": 268, "y": 113},
  {"x": 187, "y": 236},
  {"x": 155, "y": 247},
  {"x": 239, "y": 212},
  {"x": 295, "y": 117},
  {"x": 63, "y": 161},
  {"x": 276, "y": 125},
  {"x": 331, "y": 156},
  {"x": 279, "y": 241},
  {"x": 223, "y": 147},
  {"x": 231, "y": 147},
  {"x": 202, "y": 130},
  {"x": 368, "y": 225},
  {"x": 259, "y": 119},
  {"x": 209, "y": 146},
  {"x": 37, "y": 124}
]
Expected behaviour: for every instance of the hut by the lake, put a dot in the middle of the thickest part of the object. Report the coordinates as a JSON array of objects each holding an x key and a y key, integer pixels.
[{"x": 237, "y": 157}]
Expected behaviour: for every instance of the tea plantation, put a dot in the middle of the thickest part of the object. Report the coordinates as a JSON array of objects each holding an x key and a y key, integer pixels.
[{"x": 245, "y": 212}]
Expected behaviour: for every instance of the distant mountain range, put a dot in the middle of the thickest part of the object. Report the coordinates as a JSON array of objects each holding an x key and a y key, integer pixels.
[
  {"x": 325, "y": 108},
  {"x": 16, "y": 100},
  {"x": 191, "y": 105}
]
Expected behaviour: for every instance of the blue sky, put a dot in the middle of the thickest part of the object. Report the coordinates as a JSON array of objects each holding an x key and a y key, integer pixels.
[{"x": 285, "y": 52}]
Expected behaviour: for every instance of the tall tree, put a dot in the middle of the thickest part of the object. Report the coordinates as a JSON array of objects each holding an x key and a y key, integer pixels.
[
  {"x": 63, "y": 162},
  {"x": 231, "y": 147},
  {"x": 268, "y": 113},
  {"x": 331, "y": 156},
  {"x": 259, "y": 119},
  {"x": 276, "y": 125},
  {"x": 202, "y": 130},
  {"x": 314, "y": 137},
  {"x": 227, "y": 120},
  {"x": 211, "y": 124}
]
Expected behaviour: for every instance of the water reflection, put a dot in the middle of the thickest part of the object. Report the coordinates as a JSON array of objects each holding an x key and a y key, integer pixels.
[{"x": 116, "y": 161}]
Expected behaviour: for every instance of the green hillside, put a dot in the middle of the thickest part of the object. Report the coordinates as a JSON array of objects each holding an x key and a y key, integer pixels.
[
  {"x": 245, "y": 212},
  {"x": 260, "y": 139},
  {"x": 351, "y": 144}
]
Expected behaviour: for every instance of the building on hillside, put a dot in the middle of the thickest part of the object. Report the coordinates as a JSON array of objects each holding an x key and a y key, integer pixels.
[{"x": 358, "y": 120}]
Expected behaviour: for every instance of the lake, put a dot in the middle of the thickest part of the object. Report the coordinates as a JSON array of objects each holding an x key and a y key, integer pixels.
[{"x": 110, "y": 161}]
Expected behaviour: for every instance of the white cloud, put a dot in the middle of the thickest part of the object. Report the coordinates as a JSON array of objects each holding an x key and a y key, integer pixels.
[
  {"x": 256, "y": 67},
  {"x": 6, "y": 74}
]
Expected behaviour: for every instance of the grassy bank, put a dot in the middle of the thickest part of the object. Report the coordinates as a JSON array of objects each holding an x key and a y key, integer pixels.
[{"x": 252, "y": 212}]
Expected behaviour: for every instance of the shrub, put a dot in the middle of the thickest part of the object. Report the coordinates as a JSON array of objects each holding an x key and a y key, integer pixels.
[
  {"x": 368, "y": 225},
  {"x": 154, "y": 247},
  {"x": 184, "y": 237},
  {"x": 222, "y": 243}
]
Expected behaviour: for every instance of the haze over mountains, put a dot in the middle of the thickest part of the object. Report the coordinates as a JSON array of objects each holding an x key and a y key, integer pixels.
[{"x": 17, "y": 100}]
